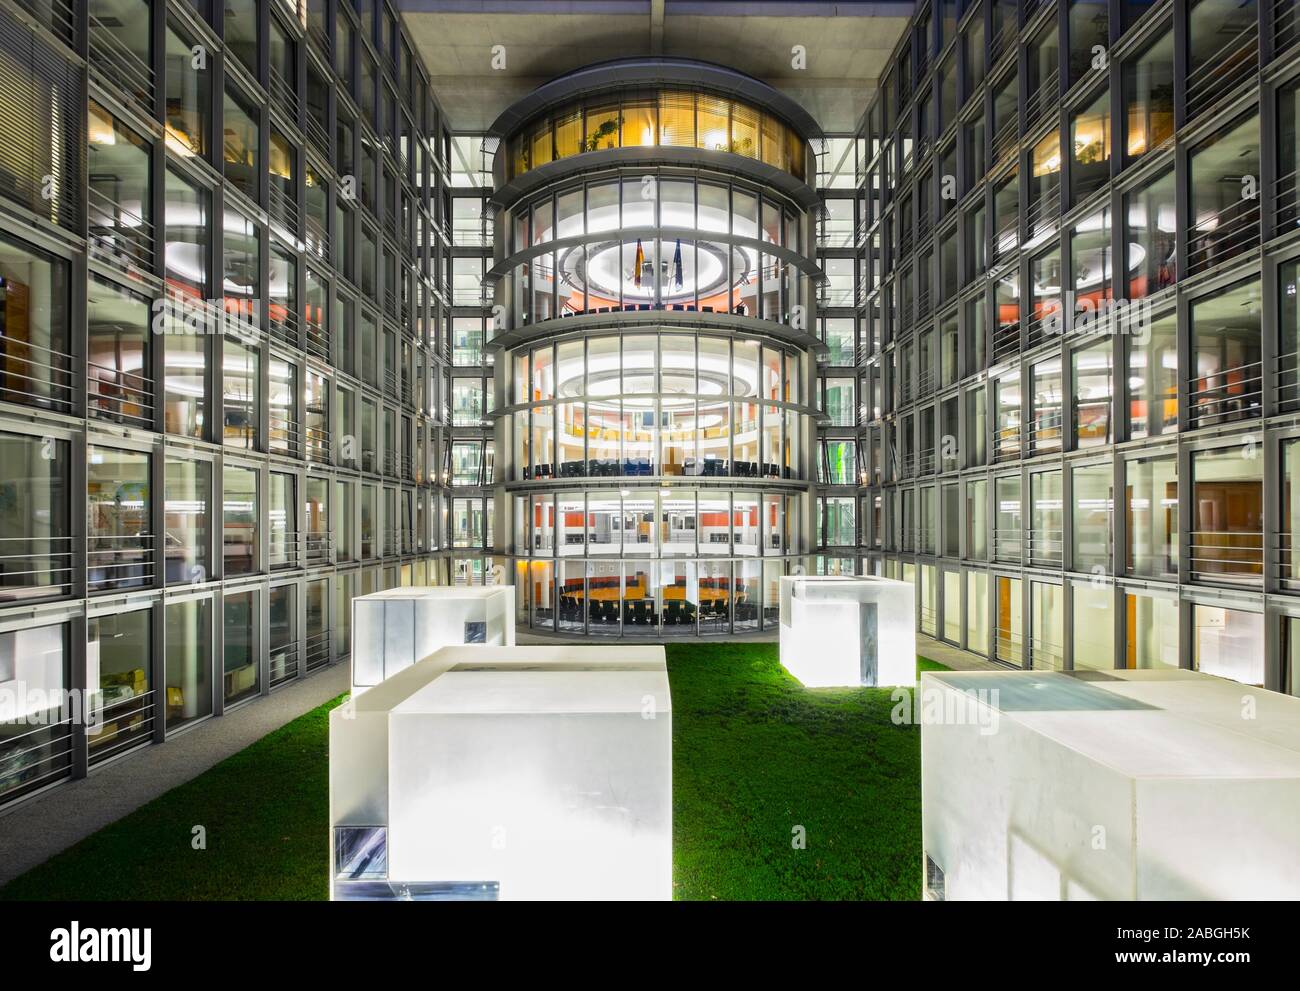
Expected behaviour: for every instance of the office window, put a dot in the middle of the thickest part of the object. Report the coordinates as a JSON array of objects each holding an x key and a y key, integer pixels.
[
  {"x": 35, "y": 518},
  {"x": 118, "y": 677},
  {"x": 119, "y": 546},
  {"x": 1228, "y": 643},
  {"x": 239, "y": 520},
  {"x": 1151, "y": 501},
  {"x": 1092, "y": 626},
  {"x": 187, "y": 493},
  {"x": 35, "y": 735},
  {"x": 240, "y": 664},
  {"x": 1046, "y": 618},
  {"x": 1148, "y": 94},
  {"x": 36, "y": 367},
  {"x": 189, "y": 102},
  {"x": 119, "y": 354},
  {"x": 1226, "y": 344},
  {"x": 241, "y": 147},
  {"x": 119, "y": 167},
  {"x": 1150, "y": 215},
  {"x": 1151, "y": 624},
  {"x": 1090, "y": 131},
  {"x": 187, "y": 636},
  {"x": 1092, "y": 394},
  {"x": 1226, "y": 534},
  {"x": 1092, "y": 486},
  {"x": 239, "y": 395}
]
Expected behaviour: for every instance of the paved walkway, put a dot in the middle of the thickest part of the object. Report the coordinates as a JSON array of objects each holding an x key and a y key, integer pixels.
[
  {"x": 35, "y": 830},
  {"x": 954, "y": 657}
]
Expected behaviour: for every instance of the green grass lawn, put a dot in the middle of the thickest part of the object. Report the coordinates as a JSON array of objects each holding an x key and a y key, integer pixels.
[{"x": 756, "y": 757}]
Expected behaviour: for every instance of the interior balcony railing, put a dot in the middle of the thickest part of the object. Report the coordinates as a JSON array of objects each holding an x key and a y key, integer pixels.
[
  {"x": 1220, "y": 236},
  {"x": 119, "y": 561},
  {"x": 125, "y": 397},
  {"x": 35, "y": 567},
  {"x": 1006, "y": 341},
  {"x": 283, "y": 92},
  {"x": 115, "y": 64},
  {"x": 1043, "y": 100},
  {"x": 1225, "y": 395},
  {"x": 1286, "y": 27},
  {"x": 284, "y": 664},
  {"x": 283, "y": 208},
  {"x": 1006, "y": 444},
  {"x": 35, "y": 758},
  {"x": 1219, "y": 75},
  {"x": 319, "y": 548},
  {"x": 283, "y": 434},
  {"x": 1286, "y": 203},
  {"x": 1230, "y": 557},
  {"x": 1046, "y": 546},
  {"x": 124, "y": 721},
  {"x": 119, "y": 233},
  {"x": 1008, "y": 647},
  {"x": 316, "y": 650},
  {"x": 1007, "y": 544},
  {"x": 282, "y": 548}
]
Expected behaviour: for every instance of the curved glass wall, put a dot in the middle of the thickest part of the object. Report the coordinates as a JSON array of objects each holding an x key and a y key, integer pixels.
[
  {"x": 714, "y": 265},
  {"x": 667, "y": 118},
  {"x": 656, "y": 404},
  {"x": 647, "y": 561}
]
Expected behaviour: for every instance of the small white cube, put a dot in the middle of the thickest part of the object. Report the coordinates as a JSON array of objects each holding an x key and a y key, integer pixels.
[
  {"x": 843, "y": 631},
  {"x": 393, "y": 629}
]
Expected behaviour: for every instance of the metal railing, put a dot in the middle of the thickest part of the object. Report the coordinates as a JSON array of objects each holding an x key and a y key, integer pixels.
[
  {"x": 1218, "y": 76},
  {"x": 118, "y": 561},
  {"x": 28, "y": 573},
  {"x": 282, "y": 205},
  {"x": 282, "y": 433},
  {"x": 1286, "y": 203},
  {"x": 1231, "y": 231},
  {"x": 1006, "y": 544},
  {"x": 1006, "y": 341},
  {"x": 1045, "y": 98},
  {"x": 119, "y": 726},
  {"x": 34, "y": 375},
  {"x": 284, "y": 93},
  {"x": 114, "y": 62},
  {"x": 35, "y": 758},
  {"x": 320, "y": 548},
  {"x": 284, "y": 664},
  {"x": 1046, "y": 546},
  {"x": 316, "y": 650},
  {"x": 282, "y": 548},
  {"x": 118, "y": 395},
  {"x": 117, "y": 232},
  {"x": 1226, "y": 556},
  {"x": 1225, "y": 395}
]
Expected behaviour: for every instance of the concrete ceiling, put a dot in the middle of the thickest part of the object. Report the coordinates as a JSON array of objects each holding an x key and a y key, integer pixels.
[{"x": 847, "y": 44}]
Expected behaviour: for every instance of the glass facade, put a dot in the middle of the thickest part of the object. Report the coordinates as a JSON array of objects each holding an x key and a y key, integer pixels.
[
  {"x": 654, "y": 421},
  {"x": 1120, "y": 425},
  {"x": 224, "y": 357}
]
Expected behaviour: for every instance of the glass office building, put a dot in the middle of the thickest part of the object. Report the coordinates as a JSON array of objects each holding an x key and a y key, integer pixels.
[
  {"x": 651, "y": 295},
  {"x": 1075, "y": 258},
  {"x": 224, "y": 357},
  {"x": 274, "y": 332}
]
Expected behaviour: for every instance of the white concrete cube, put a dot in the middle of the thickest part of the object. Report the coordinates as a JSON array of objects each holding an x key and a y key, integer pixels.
[
  {"x": 1124, "y": 785},
  {"x": 393, "y": 629},
  {"x": 514, "y": 773},
  {"x": 843, "y": 631}
]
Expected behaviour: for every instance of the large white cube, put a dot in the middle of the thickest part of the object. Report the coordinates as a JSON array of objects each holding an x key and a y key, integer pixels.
[
  {"x": 1120, "y": 785},
  {"x": 841, "y": 631},
  {"x": 514, "y": 773},
  {"x": 393, "y": 629}
]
